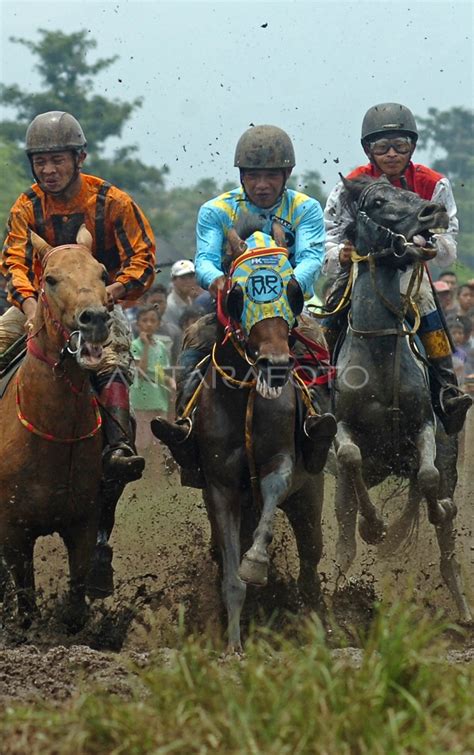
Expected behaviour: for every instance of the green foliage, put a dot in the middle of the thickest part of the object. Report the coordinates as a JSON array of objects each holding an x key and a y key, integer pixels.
[
  {"x": 15, "y": 175},
  {"x": 174, "y": 213},
  {"x": 309, "y": 183},
  {"x": 283, "y": 697},
  {"x": 67, "y": 80},
  {"x": 453, "y": 132}
]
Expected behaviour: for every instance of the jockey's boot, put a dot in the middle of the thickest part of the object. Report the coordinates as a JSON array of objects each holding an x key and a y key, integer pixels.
[
  {"x": 319, "y": 430},
  {"x": 449, "y": 402},
  {"x": 319, "y": 433},
  {"x": 119, "y": 457},
  {"x": 178, "y": 435}
]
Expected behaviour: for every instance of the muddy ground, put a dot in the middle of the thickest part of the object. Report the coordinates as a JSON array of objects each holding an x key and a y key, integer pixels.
[{"x": 165, "y": 578}]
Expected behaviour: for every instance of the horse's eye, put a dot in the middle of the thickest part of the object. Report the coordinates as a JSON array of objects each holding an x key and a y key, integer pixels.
[
  {"x": 105, "y": 276},
  {"x": 379, "y": 202},
  {"x": 50, "y": 280}
]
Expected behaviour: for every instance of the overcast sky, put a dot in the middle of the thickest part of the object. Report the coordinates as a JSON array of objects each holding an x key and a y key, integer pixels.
[{"x": 206, "y": 70}]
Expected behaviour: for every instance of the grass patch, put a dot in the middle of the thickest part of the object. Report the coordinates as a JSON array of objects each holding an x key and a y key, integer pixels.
[{"x": 284, "y": 698}]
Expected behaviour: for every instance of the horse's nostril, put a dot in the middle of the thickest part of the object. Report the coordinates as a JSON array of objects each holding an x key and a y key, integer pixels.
[
  {"x": 93, "y": 317},
  {"x": 85, "y": 318},
  {"x": 428, "y": 211}
]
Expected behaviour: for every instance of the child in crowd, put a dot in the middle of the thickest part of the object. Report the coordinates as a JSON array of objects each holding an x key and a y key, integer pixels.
[
  {"x": 461, "y": 332},
  {"x": 150, "y": 392}
]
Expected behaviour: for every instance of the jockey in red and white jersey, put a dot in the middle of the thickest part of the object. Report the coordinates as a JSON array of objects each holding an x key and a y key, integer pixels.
[{"x": 389, "y": 136}]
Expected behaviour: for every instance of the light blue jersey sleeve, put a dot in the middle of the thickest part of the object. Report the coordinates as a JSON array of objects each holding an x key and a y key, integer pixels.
[
  {"x": 210, "y": 241},
  {"x": 309, "y": 246}
]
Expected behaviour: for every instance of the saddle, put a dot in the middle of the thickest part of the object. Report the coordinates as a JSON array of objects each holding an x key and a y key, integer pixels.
[{"x": 10, "y": 361}]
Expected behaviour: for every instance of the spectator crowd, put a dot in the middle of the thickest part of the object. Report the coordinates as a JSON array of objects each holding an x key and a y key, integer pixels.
[{"x": 457, "y": 303}]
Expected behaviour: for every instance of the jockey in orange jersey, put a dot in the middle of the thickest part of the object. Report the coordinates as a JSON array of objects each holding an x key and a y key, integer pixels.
[
  {"x": 389, "y": 136},
  {"x": 61, "y": 200}
]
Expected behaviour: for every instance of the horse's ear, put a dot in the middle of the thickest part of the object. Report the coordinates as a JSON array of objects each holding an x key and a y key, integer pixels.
[
  {"x": 236, "y": 245},
  {"x": 84, "y": 237},
  {"x": 295, "y": 297},
  {"x": 234, "y": 303},
  {"x": 353, "y": 188},
  {"x": 40, "y": 245},
  {"x": 278, "y": 233}
]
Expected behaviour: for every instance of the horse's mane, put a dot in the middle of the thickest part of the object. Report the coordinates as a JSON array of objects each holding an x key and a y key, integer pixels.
[{"x": 248, "y": 223}]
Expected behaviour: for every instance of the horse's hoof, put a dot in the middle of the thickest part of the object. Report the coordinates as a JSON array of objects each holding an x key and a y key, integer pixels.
[
  {"x": 253, "y": 572},
  {"x": 234, "y": 651},
  {"x": 373, "y": 532},
  {"x": 100, "y": 580}
]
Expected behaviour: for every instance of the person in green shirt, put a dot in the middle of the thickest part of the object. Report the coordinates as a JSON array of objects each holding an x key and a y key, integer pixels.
[{"x": 151, "y": 389}]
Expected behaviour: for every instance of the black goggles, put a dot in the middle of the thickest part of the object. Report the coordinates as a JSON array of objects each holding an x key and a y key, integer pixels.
[{"x": 402, "y": 145}]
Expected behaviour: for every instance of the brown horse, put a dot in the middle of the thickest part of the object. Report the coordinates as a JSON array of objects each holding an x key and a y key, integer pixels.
[
  {"x": 50, "y": 439},
  {"x": 247, "y": 430}
]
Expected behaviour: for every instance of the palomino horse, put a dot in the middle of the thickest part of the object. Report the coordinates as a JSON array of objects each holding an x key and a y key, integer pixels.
[
  {"x": 50, "y": 439},
  {"x": 385, "y": 419},
  {"x": 247, "y": 427}
]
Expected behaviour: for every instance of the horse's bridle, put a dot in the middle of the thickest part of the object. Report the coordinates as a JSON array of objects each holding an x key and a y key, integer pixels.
[{"x": 67, "y": 349}]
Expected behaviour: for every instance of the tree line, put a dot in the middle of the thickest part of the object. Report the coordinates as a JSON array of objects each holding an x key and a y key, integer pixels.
[{"x": 67, "y": 83}]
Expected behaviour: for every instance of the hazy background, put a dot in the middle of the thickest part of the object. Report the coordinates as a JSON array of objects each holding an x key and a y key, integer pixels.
[{"x": 208, "y": 70}]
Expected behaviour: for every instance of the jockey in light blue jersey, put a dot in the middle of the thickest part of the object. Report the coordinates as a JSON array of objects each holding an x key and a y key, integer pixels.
[
  {"x": 300, "y": 215},
  {"x": 265, "y": 158}
]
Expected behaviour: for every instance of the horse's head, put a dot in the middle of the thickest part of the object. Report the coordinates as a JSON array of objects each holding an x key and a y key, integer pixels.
[
  {"x": 264, "y": 298},
  {"x": 389, "y": 218},
  {"x": 73, "y": 298}
]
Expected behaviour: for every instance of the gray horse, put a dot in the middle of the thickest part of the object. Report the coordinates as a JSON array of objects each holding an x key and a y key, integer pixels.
[
  {"x": 247, "y": 422},
  {"x": 386, "y": 424}
]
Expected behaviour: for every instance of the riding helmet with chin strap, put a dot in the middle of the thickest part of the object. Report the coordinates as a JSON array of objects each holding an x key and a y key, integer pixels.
[
  {"x": 388, "y": 116},
  {"x": 264, "y": 148},
  {"x": 55, "y": 131}
]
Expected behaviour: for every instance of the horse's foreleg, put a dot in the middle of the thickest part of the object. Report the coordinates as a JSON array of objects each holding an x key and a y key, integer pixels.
[
  {"x": 450, "y": 569},
  {"x": 100, "y": 581},
  {"x": 304, "y": 510},
  {"x": 224, "y": 508},
  {"x": 428, "y": 478},
  {"x": 18, "y": 556},
  {"x": 346, "y": 515},
  {"x": 274, "y": 487},
  {"x": 349, "y": 462},
  {"x": 80, "y": 544}
]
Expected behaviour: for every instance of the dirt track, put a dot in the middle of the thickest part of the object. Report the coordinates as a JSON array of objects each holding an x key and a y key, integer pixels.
[{"x": 164, "y": 575}]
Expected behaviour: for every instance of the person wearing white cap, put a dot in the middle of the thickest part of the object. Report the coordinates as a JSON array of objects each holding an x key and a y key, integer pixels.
[{"x": 183, "y": 291}]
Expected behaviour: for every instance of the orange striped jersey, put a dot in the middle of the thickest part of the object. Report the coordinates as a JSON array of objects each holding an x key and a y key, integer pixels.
[{"x": 122, "y": 237}]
